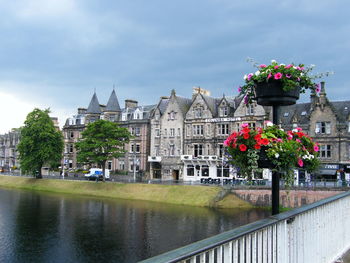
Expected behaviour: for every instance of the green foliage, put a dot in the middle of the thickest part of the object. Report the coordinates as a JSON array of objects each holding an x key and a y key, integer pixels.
[
  {"x": 101, "y": 141},
  {"x": 40, "y": 142}
]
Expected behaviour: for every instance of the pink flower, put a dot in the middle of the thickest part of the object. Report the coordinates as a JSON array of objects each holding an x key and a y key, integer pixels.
[
  {"x": 317, "y": 88},
  {"x": 279, "y": 140},
  {"x": 227, "y": 142},
  {"x": 300, "y": 163},
  {"x": 276, "y": 67},
  {"x": 288, "y": 66},
  {"x": 269, "y": 76},
  {"x": 278, "y": 75},
  {"x": 288, "y": 76},
  {"x": 316, "y": 148},
  {"x": 250, "y": 75},
  {"x": 245, "y": 125},
  {"x": 262, "y": 66},
  {"x": 239, "y": 89},
  {"x": 246, "y": 100},
  {"x": 299, "y": 141},
  {"x": 298, "y": 79}
]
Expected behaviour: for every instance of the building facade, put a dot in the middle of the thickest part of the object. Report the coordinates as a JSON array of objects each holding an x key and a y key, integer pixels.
[
  {"x": 8, "y": 150},
  {"x": 133, "y": 117}
]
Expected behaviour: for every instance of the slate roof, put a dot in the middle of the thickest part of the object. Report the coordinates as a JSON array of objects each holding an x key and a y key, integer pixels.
[
  {"x": 163, "y": 103},
  {"x": 212, "y": 103},
  {"x": 342, "y": 110},
  {"x": 300, "y": 112},
  {"x": 94, "y": 106},
  {"x": 112, "y": 104},
  {"x": 184, "y": 104}
]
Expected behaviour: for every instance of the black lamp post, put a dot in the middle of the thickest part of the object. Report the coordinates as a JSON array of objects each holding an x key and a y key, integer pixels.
[{"x": 272, "y": 94}]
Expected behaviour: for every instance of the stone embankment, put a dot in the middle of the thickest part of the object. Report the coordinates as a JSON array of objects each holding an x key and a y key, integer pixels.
[{"x": 288, "y": 198}]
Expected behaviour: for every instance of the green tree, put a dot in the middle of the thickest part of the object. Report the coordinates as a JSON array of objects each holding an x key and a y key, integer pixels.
[
  {"x": 40, "y": 144},
  {"x": 101, "y": 141}
]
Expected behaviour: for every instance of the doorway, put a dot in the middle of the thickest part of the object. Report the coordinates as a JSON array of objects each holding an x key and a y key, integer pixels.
[{"x": 176, "y": 175}]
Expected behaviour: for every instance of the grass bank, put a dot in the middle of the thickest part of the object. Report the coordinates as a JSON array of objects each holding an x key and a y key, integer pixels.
[{"x": 202, "y": 196}]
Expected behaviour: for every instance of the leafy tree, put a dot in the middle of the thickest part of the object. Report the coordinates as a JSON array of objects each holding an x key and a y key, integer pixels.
[
  {"x": 40, "y": 142},
  {"x": 101, "y": 141}
]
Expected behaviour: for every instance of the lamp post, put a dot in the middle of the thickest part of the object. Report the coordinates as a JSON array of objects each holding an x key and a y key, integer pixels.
[{"x": 275, "y": 191}]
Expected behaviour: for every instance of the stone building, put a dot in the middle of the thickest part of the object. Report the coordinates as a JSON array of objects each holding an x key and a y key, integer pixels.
[
  {"x": 133, "y": 117},
  {"x": 167, "y": 137},
  {"x": 328, "y": 123},
  {"x": 187, "y": 134},
  {"x": 8, "y": 150}
]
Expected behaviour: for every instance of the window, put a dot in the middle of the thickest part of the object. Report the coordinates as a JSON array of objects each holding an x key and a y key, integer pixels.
[
  {"x": 303, "y": 113},
  {"x": 132, "y": 148},
  {"x": 178, "y": 132},
  {"x": 223, "y": 129},
  {"x": 78, "y": 121},
  {"x": 286, "y": 114},
  {"x": 156, "y": 150},
  {"x": 172, "y": 132},
  {"x": 109, "y": 165},
  {"x": 172, "y": 150},
  {"x": 197, "y": 112},
  {"x": 112, "y": 117},
  {"x": 323, "y": 128},
  {"x": 197, "y": 130},
  {"x": 221, "y": 150},
  {"x": 71, "y": 148},
  {"x": 132, "y": 131},
  {"x": 188, "y": 130},
  {"x": 198, "y": 150},
  {"x": 165, "y": 132},
  {"x": 71, "y": 134},
  {"x": 70, "y": 164},
  {"x": 325, "y": 151},
  {"x": 137, "y": 148},
  {"x": 124, "y": 116},
  {"x": 252, "y": 125},
  {"x": 157, "y": 131},
  {"x": 222, "y": 170},
  {"x": 121, "y": 165},
  {"x": 190, "y": 170},
  {"x": 137, "y": 131},
  {"x": 172, "y": 115},
  {"x": 223, "y": 111},
  {"x": 250, "y": 109},
  {"x": 205, "y": 170}
]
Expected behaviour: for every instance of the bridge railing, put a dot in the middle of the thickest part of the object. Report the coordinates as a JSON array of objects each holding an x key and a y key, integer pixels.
[{"x": 319, "y": 232}]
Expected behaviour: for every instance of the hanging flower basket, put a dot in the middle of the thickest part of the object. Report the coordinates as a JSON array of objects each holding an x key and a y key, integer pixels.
[
  {"x": 271, "y": 93},
  {"x": 278, "y": 84}
]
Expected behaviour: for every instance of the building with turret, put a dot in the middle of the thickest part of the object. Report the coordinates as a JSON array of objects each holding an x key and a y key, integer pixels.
[{"x": 133, "y": 117}]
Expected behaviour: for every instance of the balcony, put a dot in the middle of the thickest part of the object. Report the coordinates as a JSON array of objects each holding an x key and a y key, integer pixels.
[{"x": 154, "y": 159}]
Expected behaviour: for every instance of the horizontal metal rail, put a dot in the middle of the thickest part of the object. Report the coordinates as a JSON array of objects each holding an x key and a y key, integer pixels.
[{"x": 318, "y": 232}]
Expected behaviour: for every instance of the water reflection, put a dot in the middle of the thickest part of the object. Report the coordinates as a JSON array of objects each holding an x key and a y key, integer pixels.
[{"x": 40, "y": 227}]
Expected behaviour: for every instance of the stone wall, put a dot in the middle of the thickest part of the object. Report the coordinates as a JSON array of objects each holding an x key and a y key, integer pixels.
[{"x": 291, "y": 199}]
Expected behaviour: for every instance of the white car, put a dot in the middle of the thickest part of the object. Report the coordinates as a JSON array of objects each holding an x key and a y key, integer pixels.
[{"x": 96, "y": 173}]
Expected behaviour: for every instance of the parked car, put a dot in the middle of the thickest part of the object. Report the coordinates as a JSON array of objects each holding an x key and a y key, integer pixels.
[{"x": 96, "y": 174}]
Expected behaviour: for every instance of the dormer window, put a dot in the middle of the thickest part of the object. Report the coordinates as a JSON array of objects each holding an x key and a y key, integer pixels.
[
  {"x": 250, "y": 109},
  {"x": 286, "y": 114},
  {"x": 303, "y": 113},
  {"x": 223, "y": 111}
]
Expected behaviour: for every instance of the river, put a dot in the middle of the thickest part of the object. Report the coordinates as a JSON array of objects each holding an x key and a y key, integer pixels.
[{"x": 44, "y": 227}]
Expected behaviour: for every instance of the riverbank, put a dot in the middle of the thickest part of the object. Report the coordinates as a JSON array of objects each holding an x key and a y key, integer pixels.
[{"x": 196, "y": 195}]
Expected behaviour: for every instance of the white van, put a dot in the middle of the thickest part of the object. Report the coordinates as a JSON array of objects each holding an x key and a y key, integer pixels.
[{"x": 95, "y": 173}]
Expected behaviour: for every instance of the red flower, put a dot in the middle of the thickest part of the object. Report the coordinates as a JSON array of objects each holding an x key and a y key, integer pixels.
[
  {"x": 264, "y": 141},
  {"x": 246, "y": 130},
  {"x": 300, "y": 134},
  {"x": 242, "y": 147},
  {"x": 246, "y": 136},
  {"x": 257, "y": 146},
  {"x": 257, "y": 137}
]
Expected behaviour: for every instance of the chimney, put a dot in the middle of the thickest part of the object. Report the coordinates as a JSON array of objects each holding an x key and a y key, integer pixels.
[{"x": 130, "y": 103}]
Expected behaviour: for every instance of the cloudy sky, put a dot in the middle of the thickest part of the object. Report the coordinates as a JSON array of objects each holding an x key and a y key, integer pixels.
[{"x": 55, "y": 53}]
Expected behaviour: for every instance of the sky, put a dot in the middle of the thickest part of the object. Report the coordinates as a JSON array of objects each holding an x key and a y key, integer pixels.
[{"x": 56, "y": 53}]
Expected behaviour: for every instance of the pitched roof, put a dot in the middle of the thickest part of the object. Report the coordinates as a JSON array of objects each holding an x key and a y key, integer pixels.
[
  {"x": 94, "y": 106},
  {"x": 184, "y": 104},
  {"x": 342, "y": 109},
  {"x": 112, "y": 104}
]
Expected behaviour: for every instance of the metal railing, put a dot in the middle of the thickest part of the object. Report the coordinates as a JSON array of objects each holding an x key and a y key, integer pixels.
[{"x": 319, "y": 232}]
